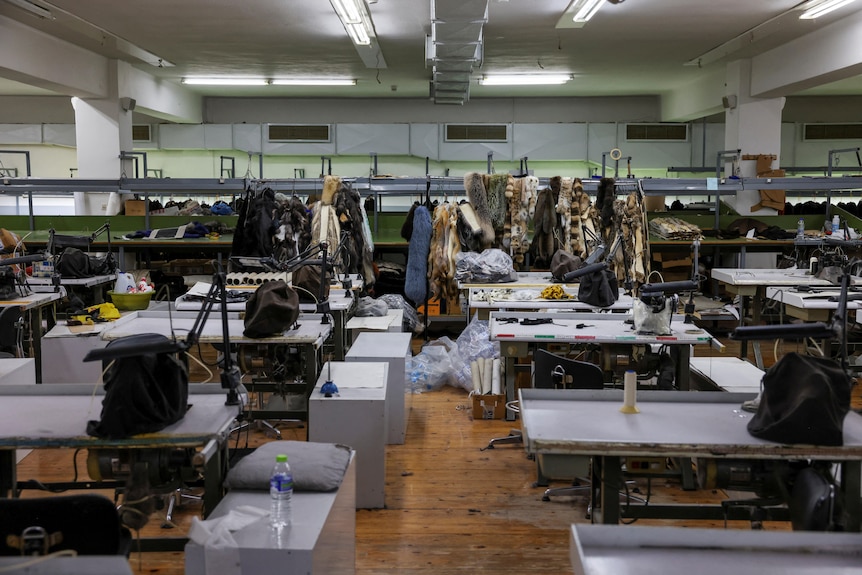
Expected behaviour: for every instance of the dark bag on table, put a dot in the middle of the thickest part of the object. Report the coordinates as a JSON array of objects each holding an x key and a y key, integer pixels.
[
  {"x": 271, "y": 310},
  {"x": 145, "y": 392},
  {"x": 74, "y": 263},
  {"x": 599, "y": 289},
  {"x": 564, "y": 262},
  {"x": 804, "y": 400},
  {"x": 306, "y": 281}
]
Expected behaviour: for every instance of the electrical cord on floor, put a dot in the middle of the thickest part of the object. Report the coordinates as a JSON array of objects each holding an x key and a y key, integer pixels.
[{"x": 628, "y": 499}]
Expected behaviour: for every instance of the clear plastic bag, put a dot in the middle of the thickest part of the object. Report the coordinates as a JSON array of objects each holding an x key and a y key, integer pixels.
[
  {"x": 411, "y": 318},
  {"x": 489, "y": 266},
  {"x": 431, "y": 368},
  {"x": 473, "y": 343}
]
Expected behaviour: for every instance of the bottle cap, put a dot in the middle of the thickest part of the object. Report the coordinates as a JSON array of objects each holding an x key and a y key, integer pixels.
[{"x": 281, "y": 458}]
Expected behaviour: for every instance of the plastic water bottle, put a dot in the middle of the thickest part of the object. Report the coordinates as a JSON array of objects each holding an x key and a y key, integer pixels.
[
  {"x": 281, "y": 492},
  {"x": 836, "y": 225},
  {"x": 800, "y": 228}
]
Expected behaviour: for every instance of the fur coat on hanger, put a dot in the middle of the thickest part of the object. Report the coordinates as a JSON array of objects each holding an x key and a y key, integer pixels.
[
  {"x": 475, "y": 188},
  {"x": 445, "y": 246},
  {"x": 546, "y": 225}
]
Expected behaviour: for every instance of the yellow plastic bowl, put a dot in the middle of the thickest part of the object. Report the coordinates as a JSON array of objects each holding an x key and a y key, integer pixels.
[{"x": 131, "y": 301}]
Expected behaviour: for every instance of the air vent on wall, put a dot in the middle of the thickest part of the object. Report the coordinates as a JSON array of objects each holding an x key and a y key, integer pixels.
[
  {"x": 832, "y": 132},
  {"x": 477, "y": 133},
  {"x": 657, "y": 132},
  {"x": 141, "y": 133},
  {"x": 299, "y": 133}
]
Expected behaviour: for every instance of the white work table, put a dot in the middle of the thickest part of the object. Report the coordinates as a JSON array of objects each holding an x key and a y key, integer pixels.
[
  {"x": 638, "y": 550},
  {"x": 79, "y": 282},
  {"x": 33, "y": 303},
  {"x": 694, "y": 424},
  {"x": 754, "y": 283},
  {"x": 814, "y": 305},
  {"x": 56, "y": 415},
  {"x": 341, "y": 301},
  {"x": 603, "y": 328},
  {"x": 515, "y": 299},
  {"x": 308, "y": 332}
]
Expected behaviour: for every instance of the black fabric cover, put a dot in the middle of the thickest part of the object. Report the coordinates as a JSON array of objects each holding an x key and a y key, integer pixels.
[
  {"x": 804, "y": 400},
  {"x": 564, "y": 262},
  {"x": 307, "y": 277},
  {"x": 74, "y": 263},
  {"x": 255, "y": 225},
  {"x": 599, "y": 289},
  {"x": 271, "y": 309},
  {"x": 144, "y": 393}
]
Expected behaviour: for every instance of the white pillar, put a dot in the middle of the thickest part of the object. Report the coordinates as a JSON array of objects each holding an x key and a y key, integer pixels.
[
  {"x": 103, "y": 129},
  {"x": 752, "y": 125}
]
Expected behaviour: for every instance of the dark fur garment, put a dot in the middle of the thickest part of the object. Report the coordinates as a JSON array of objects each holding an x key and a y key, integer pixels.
[{"x": 475, "y": 188}]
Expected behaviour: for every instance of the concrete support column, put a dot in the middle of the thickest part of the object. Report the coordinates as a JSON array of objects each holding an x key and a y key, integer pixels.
[
  {"x": 752, "y": 125},
  {"x": 103, "y": 129}
]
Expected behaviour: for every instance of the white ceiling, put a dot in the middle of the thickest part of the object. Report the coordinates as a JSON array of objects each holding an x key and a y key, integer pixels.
[{"x": 635, "y": 47}]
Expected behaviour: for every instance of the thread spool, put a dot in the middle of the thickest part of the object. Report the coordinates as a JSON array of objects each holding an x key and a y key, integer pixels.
[
  {"x": 495, "y": 377},
  {"x": 630, "y": 390}
]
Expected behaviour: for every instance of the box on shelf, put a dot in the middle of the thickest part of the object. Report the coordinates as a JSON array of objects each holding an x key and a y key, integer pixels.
[
  {"x": 489, "y": 406},
  {"x": 136, "y": 207},
  {"x": 654, "y": 203},
  {"x": 433, "y": 307}
]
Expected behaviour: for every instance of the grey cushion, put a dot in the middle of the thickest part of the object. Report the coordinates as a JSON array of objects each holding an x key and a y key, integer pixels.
[{"x": 315, "y": 466}]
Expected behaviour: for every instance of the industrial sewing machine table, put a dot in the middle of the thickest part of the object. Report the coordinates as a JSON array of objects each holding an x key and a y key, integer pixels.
[
  {"x": 54, "y": 416},
  {"x": 692, "y": 424}
]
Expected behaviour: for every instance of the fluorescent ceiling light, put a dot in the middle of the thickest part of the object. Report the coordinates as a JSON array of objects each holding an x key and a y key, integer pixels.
[
  {"x": 587, "y": 10},
  {"x": 358, "y": 34},
  {"x": 39, "y": 11},
  {"x": 347, "y": 10},
  {"x": 525, "y": 79},
  {"x": 315, "y": 82},
  {"x": 225, "y": 81},
  {"x": 356, "y": 19},
  {"x": 816, "y": 8}
]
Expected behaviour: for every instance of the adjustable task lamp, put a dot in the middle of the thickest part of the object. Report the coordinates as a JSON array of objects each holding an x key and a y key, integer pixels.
[{"x": 230, "y": 375}]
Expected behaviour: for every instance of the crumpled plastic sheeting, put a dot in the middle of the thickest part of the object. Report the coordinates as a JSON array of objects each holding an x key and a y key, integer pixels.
[
  {"x": 489, "y": 266},
  {"x": 221, "y": 553}
]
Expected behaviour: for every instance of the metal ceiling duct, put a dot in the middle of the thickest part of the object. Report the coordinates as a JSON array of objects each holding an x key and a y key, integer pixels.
[{"x": 454, "y": 47}]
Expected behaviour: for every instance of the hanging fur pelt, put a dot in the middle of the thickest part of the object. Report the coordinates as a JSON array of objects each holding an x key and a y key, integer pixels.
[
  {"x": 478, "y": 197},
  {"x": 348, "y": 208},
  {"x": 418, "y": 250},
  {"x": 605, "y": 197},
  {"x": 517, "y": 223},
  {"x": 546, "y": 228},
  {"x": 564, "y": 209},
  {"x": 445, "y": 245},
  {"x": 469, "y": 229},
  {"x": 496, "y": 189},
  {"x": 294, "y": 228}
]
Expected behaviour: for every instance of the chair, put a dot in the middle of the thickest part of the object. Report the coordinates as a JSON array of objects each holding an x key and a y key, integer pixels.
[
  {"x": 85, "y": 523},
  {"x": 554, "y": 372},
  {"x": 11, "y": 332}
]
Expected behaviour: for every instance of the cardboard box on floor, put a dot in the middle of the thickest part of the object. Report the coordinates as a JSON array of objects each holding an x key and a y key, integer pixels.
[{"x": 489, "y": 406}]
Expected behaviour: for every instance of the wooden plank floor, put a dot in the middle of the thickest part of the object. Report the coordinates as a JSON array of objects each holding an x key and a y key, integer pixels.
[{"x": 451, "y": 507}]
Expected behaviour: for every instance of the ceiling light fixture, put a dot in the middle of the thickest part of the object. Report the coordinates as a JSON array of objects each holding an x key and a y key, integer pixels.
[
  {"x": 818, "y": 8},
  {"x": 525, "y": 79},
  {"x": 39, "y": 11},
  {"x": 315, "y": 82},
  {"x": 587, "y": 10},
  {"x": 356, "y": 19},
  {"x": 225, "y": 81}
]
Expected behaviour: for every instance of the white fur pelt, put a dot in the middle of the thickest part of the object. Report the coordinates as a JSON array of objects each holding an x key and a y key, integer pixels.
[
  {"x": 529, "y": 192},
  {"x": 324, "y": 224},
  {"x": 475, "y": 188}
]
